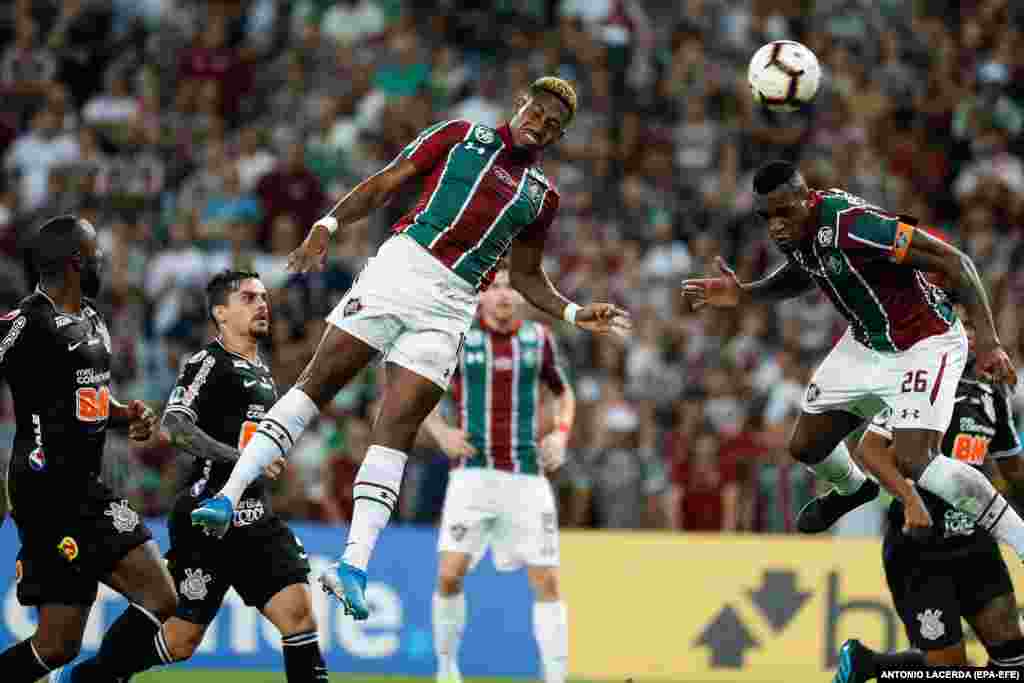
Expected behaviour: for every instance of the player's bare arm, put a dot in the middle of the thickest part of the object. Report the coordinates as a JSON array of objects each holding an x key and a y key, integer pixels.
[
  {"x": 527, "y": 275},
  {"x": 1012, "y": 470},
  {"x": 553, "y": 446},
  {"x": 879, "y": 457},
  {"x": 927, "y": 253},
  {"x": 454, "y": 442},
  {"x": 367, "y": 196},
  {"x": 187, "y": 437},
  {"x": 785, "y": 282},
  {"x": 136, "y": 416}
]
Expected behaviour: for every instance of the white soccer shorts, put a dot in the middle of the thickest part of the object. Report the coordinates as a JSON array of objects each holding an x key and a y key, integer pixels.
[
  {"x": 410, "y": 307},
  {"x": 512, "y": 514}
]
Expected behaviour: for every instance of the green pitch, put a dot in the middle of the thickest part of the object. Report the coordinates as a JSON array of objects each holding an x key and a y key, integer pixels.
[{"x": 222, "y": 676}]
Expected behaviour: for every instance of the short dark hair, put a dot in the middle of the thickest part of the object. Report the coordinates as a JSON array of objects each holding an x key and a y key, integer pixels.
[
  {"x": 222, "y": 284},
  {"x": 772, "y": 175},
  {"x": 54, "y": 243}
]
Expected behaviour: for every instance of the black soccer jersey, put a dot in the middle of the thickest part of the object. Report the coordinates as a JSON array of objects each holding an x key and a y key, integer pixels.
[
  {"x": 982, "y": 426},
  {"x": 225, "y": 395},
  {"x": 58, "y": 367}
]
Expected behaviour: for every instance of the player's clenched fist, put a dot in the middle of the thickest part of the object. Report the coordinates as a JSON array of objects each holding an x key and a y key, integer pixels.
[
  {"x": 312, "y": 253},
  {"x": 141, "y": 421},
  {"x": 604, "y": 319},
  {"x": 552, "y": 451}
]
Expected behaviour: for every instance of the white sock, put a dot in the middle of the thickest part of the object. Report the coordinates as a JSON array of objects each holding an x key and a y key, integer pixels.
[
  {"x": 840, "y": 470},
  {"x": 970, "y": 491},
  {"x": 449, "y": 622},
  {"x": 278, "y": 431},
  {"x": 374, "y": 495},
  {"x": 551, "y": 629}
]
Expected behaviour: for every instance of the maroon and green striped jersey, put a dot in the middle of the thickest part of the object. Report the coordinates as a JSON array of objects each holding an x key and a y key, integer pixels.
[
  {"x": 497, "y": 392},
  {"x": 854, "y": 258},
  {"x": 480, "y": 192}
]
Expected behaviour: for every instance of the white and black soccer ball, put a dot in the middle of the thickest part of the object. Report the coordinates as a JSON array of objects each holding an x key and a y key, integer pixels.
[{"x": 784, "y": 75}]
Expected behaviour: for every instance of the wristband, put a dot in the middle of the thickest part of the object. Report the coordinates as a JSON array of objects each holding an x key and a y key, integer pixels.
[
  {"x": 569, "y": 313},
  {"x": 564, "y": 427},
  {"x": 329, "y": 222}
]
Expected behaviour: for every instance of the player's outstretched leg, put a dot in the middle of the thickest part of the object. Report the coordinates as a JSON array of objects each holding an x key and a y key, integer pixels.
[
  {"x": 408, "y": 399},
  {"x": 959, "y": 484},
  {"x": 817, "y": 442},
  {"x": 133, "y": 641},
  {"x": 338, "y": 359}
]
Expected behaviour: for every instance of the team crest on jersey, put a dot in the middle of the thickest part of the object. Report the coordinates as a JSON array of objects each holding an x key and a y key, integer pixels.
[
  {"x": 125, "y": 519},
  {"x": 458, "y": 531},
  {"x": 198, "y": 356},
  {"x": 834, "y": 264},
  {"x": 932, "y": 627},
  {"x": 193, "y": 586},
  {"x": 37, "y": 460},
  {"x": 825, "y": 235},
  {"x": 68, "y": 547},
  {"x": 534, "y": 190},
  {"x": 352, "y": 306},
  {"x": 484, "y": 134},
  {"x": 902, "y": 240},
  {"x": 813, "y": 392}
]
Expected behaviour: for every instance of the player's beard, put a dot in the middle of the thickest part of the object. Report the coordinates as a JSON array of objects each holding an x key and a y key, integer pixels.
[{"x": 91, "y": 279}]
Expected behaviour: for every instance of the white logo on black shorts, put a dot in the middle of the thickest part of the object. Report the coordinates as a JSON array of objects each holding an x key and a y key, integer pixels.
[
  {"x": 193, "y": 586},
  {"x": 932, "y": 627},
  {"x": 125, "y": 519}
]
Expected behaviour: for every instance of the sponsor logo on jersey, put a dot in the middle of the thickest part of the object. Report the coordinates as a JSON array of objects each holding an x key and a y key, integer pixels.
[
  {"x": 62, "y": 321},
  {"x": 484, "y": 134},
  {"x": 177, "y": 395},
  {"x": 37, "y": 460},
  {"x": 969, "y": 424},
  {"x": 352, "y": 306},
  {"x": 256, "y": 411},
  {"x": 125, "y": 519},
  {"x": 249, "y": 511},
  {"x": 10, "y": 316},
  {"x": 825, "y": 235},
  {"x": 958, "y": 524},
  {"x": 193, "y": 586},
  {"x": 932, "y": 627},
  {"x": 92, "y": 376},
  {"x": 813, "y": 392},
  {"x": 68, "y": 547},
  {"x": 12, "y": 335}
]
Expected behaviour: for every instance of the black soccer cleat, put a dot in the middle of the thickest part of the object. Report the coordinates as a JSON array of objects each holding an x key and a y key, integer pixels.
[{"x": 824, "y": 511}]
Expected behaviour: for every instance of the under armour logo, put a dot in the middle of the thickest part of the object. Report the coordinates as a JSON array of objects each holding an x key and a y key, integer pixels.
[{"x": 907, "y": 412}]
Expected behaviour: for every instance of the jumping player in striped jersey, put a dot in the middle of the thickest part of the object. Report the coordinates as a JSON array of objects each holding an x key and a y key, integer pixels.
[
  {"x": 904, "y": 349},
  {"x": 483, "y": 195},
  {"x": 498, "y": 496}
]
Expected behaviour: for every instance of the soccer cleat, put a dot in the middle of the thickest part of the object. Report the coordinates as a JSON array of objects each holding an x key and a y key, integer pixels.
[
  {"x": 61, "y": 674},
  {"x": 854, "y": 663},
  {"x": 824, "y": 511},
  {"x": 348, "y": 584},
  {"x": 214, "y": 515}
]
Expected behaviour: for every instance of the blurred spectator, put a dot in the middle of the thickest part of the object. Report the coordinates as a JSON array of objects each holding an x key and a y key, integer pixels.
[
  {"x": 27, "y": 67},
  {"x": 291, "y": 188},
  {"x": 705, "y": 490},
  {"x": 36, "y": 153}
]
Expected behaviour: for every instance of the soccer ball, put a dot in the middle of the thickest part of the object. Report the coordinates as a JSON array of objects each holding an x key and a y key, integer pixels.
[{"x": 784, "y": 75}]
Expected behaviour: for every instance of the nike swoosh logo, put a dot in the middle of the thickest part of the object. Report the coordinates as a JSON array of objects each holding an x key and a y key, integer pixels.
[
  {"x": 959, "y": 398},
  {"x": 303, "y": 556},
  {"x": 249, "y": 384},
  {"x": 75, "y": 345}
]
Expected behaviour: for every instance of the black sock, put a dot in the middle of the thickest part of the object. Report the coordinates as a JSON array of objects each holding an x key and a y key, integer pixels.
[
  {"x": 883, "y": 661},
  {"x": 132, "y": 644},
  {"x": 1008, "y": 655},
  {"x": 21, "y": 664},
  {"x": 303, "y": 662}
]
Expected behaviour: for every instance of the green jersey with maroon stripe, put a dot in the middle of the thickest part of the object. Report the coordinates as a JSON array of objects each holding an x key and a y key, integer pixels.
[
  {"x": 480, "y": 193},
  {"x": 497, "y": 390},
  {"x": 855, "y": 258}
]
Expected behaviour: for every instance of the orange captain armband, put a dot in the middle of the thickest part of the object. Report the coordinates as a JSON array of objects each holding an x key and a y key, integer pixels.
[{"x": 900, "y": 245}]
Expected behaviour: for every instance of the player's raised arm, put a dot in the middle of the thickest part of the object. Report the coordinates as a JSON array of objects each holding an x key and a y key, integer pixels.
[
  {"x": 917, "y": 249},
  {"x": 376, "y": 191},
  {"x": 527, "y": 275},
  {"x": 785, "y": 282}
]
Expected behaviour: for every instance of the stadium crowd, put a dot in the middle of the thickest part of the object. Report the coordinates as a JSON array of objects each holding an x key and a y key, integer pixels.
[{"x": 202, "y": 135}]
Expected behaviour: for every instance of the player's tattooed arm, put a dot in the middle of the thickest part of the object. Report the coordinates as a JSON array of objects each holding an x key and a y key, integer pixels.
[
  {"x": 930, "y": 254},
  {"x": 788, "y": 281},
  {"x": 188, "y": 438},
  {"x": 1011, "y": 469}
]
